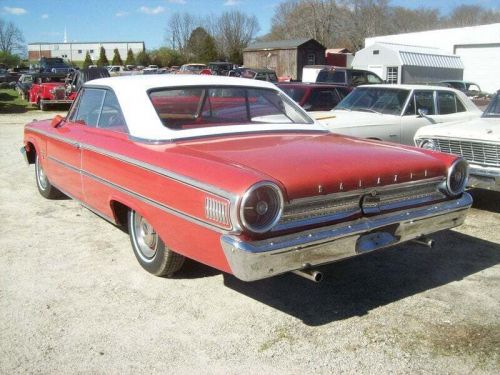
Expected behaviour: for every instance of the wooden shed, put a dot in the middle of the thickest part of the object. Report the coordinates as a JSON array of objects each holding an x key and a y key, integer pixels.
[{"x": 286, "y": 57}]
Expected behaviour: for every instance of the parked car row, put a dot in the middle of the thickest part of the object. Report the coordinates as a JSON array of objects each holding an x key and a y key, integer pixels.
[{"x": 47, "y": 89}]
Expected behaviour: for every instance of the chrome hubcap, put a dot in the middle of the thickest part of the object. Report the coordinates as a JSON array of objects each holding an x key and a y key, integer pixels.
[
  {"x": 147, "y": 238},
  {"x": 42, "y": 178}
]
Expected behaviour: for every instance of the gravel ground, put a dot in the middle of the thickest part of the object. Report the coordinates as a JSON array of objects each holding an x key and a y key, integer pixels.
[{"x": 73, "y": 299}]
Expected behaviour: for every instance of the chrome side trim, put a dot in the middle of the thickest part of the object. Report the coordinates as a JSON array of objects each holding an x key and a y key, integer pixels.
[
  {"x": 140, "y": 197},
  {"x": 254, "y": 260},
  {"x": 146, "y": 166}
]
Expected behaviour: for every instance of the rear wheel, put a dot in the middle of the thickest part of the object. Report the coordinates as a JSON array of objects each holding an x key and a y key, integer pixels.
[
  {"x": 149, "y": 249},
  {"x": 43, "y": 184}
]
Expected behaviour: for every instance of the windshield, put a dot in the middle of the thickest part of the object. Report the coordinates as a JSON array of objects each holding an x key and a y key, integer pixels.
[
  {"x": 199, "y": 107},
  {"x": 493, "y": 109},
  {"x": 375, "y": 99},
  {"x": 195, "y": 68}
]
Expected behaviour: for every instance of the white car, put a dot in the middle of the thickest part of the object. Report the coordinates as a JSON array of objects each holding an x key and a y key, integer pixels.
[
  {"x": 394, "y": 112},
  {"x": 477, "y": 141}
]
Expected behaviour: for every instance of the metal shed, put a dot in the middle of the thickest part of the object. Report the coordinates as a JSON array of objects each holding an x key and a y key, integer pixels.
[
  {"x": 399, "y": 63},
  {"x": 286, "y": 57}
]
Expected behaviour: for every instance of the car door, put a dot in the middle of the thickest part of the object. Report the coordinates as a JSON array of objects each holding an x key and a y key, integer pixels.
[
  {"x": 64, "y": 152},
  {"x": 106, "y": 135},
  {"x": 423, "y": 101}
]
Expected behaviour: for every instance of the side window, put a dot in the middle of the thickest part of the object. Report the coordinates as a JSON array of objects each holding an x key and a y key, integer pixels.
[
  {"x": 424, "y": 100},
  {"x": 446, "y": 102},
  {"x": 372, "y": 78},
  {"x": 358, "y": 78},
  {"x": 74, "y": 107},
  {"x": 111, "y": 115},
  {"x": 89, "y": 106}
]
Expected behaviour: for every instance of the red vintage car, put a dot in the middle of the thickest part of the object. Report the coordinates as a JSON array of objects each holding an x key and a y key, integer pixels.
[
  {"x": 234, "y": 174},
  {"x": 49, "y": 89}
]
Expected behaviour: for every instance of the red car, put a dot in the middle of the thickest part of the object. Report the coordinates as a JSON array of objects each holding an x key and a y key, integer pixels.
[
  {"x": 315, "y": 96},
  {"x": 49, "y": 89},
  {"x": 234, "y": 174}
]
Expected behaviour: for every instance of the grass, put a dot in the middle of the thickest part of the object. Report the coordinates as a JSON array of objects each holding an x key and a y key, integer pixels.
[{"x": 10, "y": 102}]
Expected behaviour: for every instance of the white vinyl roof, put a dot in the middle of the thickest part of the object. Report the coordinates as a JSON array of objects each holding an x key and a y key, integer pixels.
[{"x": 143, "y": 121}]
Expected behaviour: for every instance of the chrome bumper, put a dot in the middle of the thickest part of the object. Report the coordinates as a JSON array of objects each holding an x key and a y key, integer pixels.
[
  {"x": 254, "y": 260},
  {"x": 484, "y": 178},
  {"x": 56, "y": 101}
]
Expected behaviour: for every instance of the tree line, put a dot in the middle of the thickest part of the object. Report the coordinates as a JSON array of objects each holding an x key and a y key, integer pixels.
[
  {"x": 346, "y": 23},
  {"x": 334, "y": 23}
]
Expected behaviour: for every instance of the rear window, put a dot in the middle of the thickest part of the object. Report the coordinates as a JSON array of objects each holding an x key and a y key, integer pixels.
[
  {"x": 198, "y": 107},
  {"x": 335, "y": 76}
]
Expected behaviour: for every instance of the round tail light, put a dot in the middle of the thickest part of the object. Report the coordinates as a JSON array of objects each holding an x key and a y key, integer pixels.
[
  {"x": 261, "y": 207},
  {"x": 458, "y": 173}
]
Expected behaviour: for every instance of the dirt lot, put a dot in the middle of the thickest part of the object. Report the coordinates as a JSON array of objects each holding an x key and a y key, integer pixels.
[{"x": 74, "y": 299}]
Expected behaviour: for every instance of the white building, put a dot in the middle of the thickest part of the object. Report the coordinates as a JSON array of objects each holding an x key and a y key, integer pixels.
[
  {"x": 398, "y": 63},
  {"x": 77, "y": 51},
  {"x": 477, "y": 46}
]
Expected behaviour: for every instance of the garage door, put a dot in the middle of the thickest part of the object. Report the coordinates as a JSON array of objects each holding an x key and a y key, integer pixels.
[{"x": 481, "y": 64}]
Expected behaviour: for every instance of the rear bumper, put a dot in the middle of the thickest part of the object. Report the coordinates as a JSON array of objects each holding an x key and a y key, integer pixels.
[{"x": 254, "y": 260}]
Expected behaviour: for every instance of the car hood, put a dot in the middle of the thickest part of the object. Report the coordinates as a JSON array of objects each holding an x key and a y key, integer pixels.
[
  {"x": 481, "y": 129},
  {"x": 309, "y": 164},
  {"x": 346, "y": 119}
]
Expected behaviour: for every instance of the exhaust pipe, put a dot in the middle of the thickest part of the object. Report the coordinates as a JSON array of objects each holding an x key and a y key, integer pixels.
[
  {"x": 425, "y": 241},
  {"x": 313, "y": 275}
]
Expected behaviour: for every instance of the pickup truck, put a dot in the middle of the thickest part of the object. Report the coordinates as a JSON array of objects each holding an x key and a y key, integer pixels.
[{"x": 54, "y": 65}]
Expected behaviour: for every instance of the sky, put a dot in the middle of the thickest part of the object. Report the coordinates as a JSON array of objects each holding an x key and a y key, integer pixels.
[{"x": 146, "y": 20}]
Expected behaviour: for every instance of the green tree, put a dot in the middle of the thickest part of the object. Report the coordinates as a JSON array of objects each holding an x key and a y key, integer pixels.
[
  {"x": 88, "y": 61},
  {"x": 201, "y": 46},
  {"x": 130, "y": 57},
  {"x": 117, "y": 59},
  {"x": 142, "y": 58},
  {"x": 9, "y": 59},
  {"x": 103, "y": 60},
  {"x": 166, "y": 57}
]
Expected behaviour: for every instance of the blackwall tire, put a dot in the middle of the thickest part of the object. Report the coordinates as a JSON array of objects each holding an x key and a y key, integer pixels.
[
  {"x": 46, "y": 189},
  {"x": 150, "y": 250}
]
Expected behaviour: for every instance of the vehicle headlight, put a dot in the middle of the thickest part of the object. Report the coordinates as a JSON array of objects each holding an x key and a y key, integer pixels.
[
  {"x": 428, "y": 144},
  {"x": 261, "y": 207},
  {"x": 458, "y": 173}
]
